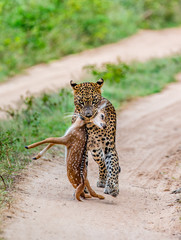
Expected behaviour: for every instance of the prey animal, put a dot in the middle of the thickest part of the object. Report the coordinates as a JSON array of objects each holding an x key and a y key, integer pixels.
[{"x": 75, "y": 139}]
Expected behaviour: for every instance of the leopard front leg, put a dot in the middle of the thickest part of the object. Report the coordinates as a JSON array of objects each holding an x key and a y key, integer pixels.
[
  {"x": 98, "y": 156},
  {"x": 112, "y": 164}
]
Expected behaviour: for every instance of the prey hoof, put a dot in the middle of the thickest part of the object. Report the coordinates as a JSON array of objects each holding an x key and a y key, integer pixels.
[
  {"x": 101, "y": 197},
  {"x": 26, "y": 147},
  {"x": 101, "y": 183},
  {"x": 34, "y": 158}
]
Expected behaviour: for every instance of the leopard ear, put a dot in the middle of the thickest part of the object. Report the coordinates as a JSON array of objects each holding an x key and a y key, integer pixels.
[
  {"x": 73, "y": 85},
  {"x": 100, "y": 82}
]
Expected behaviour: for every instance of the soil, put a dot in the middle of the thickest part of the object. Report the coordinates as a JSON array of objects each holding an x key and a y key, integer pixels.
[{"x": 149, "y": 148}]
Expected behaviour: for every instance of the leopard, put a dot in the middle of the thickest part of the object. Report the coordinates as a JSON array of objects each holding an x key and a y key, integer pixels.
[{"x": 101, "y": 142}]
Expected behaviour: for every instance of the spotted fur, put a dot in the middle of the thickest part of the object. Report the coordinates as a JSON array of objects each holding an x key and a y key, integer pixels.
[{"x": 101, "y": 142}]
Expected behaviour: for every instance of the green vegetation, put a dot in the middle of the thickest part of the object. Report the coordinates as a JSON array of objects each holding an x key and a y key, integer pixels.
[
  {"x": 45, "y": 116},
  {"x": 40, "y": 118},
  {"x": 36, "y": 31},
  {"x": 125, "y": 82}
]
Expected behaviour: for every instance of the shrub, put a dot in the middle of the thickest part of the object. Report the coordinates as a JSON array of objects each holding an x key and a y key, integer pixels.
[{"x": 37, "y": 31}]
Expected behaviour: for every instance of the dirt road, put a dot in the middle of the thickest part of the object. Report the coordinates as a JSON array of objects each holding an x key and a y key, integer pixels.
[
  {"x": 149, "y": 146},
  {"x": 142, "y": 46}
]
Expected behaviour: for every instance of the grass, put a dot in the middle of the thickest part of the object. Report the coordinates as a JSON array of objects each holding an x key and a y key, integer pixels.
[
  {"x": 29, "y": 125},
  {"x": 36, "y": 31},
  {"x": 45, "y": 116}
]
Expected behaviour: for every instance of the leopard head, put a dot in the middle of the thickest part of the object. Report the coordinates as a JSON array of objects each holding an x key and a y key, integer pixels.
[{"x": 87, "y": 97}]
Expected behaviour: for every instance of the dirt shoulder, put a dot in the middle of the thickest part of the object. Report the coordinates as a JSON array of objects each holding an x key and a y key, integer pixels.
[{"x": 48, "y": 77}]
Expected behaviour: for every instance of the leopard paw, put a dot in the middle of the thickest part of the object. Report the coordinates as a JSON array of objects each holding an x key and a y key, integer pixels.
[
  {"x": 101, "y": 183},
  {"x": 113, "y": 191}
]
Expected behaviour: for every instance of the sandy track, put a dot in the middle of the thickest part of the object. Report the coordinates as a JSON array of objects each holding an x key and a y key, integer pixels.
[
  {"x": 149, "y": 146},
  {"x": 142, "y": 46}
]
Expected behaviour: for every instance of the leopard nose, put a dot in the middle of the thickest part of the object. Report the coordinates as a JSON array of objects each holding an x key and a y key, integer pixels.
[{"x": 88, "y": 114}]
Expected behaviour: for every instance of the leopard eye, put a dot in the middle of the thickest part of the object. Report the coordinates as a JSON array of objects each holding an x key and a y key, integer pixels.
[
  {"x": 81, "y": 102},
  {"x": 94, "y": 101}
]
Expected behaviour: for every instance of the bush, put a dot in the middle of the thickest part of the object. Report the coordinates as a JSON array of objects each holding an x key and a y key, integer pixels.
[{"x": 37, "y": 31}]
